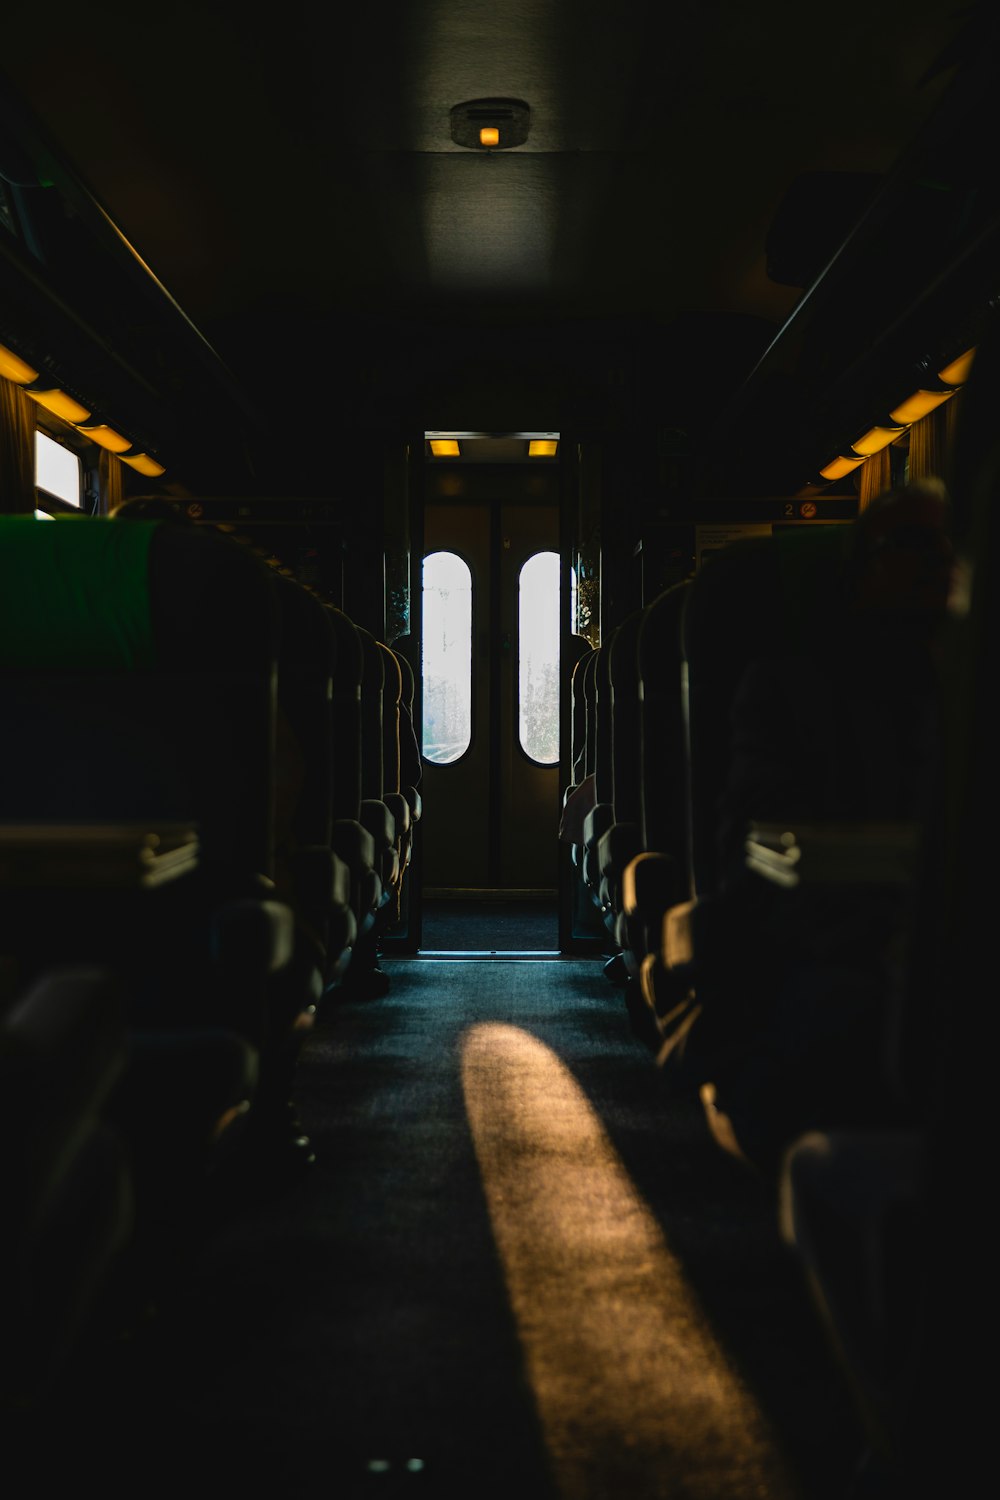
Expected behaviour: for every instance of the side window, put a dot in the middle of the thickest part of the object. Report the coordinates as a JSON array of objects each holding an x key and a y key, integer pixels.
[
  {"x": 447, "y": 658},
  {"x": 58, "y": 472},
  {"x": 538, "y": 657}
]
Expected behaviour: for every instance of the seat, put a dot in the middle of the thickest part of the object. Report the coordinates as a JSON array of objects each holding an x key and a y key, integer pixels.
[
  {"x": 622, "y": 841},
  {"x": 658, "y": 878},
  {"x": 601, "y": 815},
  {"x": 352, "y": 841},
  {"x": 375, "y": 812},
  {"x": 580, "y": 795},
  {"x": 410, "y": 764},
  {"x": 819, "y": 835},
  {"x": 893, "y": 1229},
  {"x": 393, "y": 796},
  {"x": 310, "y": 875},
  {"x": 730, "y": 614},
  {"x": 136, "y": 804},
  {"x": 378, "y": 742},
  {"x": 68, "y": 1216}
]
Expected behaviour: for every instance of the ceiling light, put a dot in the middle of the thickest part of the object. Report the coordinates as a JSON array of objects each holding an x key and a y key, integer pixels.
[
  {"x": 61, "y": 405},
  {"x": 445, "y": 447},
  {"x": 918, "y": 405},
  {"x": 107, "y": 437},
  {"x": 490, "y": 124},
  {"x": 13, "y": 367},
  {"x": 957, "y": 373},
  {"x": 542, "y": 448},
  {"x": 838, "y": 467},
  {"x": 143, "y": 464},
  {"x": 875, "y": 439}
]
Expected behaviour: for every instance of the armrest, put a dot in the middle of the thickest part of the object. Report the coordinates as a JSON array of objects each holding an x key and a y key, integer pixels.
[
  {"x": 834, "y": 853},
  {"x": 119, "y": 855}
]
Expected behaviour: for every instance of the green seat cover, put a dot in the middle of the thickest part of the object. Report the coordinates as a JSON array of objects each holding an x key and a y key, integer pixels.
[{"x": 74, "y": 593}]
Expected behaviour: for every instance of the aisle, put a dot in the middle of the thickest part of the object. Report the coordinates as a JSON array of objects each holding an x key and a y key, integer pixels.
[{"x": 516, "y": 1268}]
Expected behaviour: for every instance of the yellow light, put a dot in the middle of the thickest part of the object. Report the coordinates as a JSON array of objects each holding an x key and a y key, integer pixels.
[
  {"x": 107, "y": 437},
  {"x": 13, "y": 367},
  {"x": 918, "y": 405},
  {"x": 445, "y": 447},
  {"x": 838, "y": 467},
  {"x": 875, "y": 439},
  {"x": 61, "y": 405},
  {"x": 542, "y": 447},
  {"x": 144, "y": 464},
  {"x": 957, "y": 373},
  {"x": 489, "y": 135}
]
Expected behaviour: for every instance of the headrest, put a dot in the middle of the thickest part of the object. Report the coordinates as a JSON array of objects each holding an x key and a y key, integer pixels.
[
  {"x": 810, "y": 565},
  {"x": 74, "y": 592}
]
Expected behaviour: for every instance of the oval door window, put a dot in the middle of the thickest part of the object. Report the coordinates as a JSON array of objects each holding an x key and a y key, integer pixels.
[
  {"x": 538, "y": 657},
  {"x": 447, "y": 657}
]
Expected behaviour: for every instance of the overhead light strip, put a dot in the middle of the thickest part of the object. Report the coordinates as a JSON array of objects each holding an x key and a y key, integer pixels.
[
  {"x": 918, "y": 405},
  {"x": 68, "y": 409}
]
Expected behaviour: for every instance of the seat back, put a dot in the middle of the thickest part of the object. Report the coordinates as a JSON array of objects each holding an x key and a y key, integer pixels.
[
  {"x": 662, "y": 741},
  {"x": 306, "y": 672},
  {"x": 372, "y": 744},
  {"x": 139, "y": 668},
  {"x": 410, "y": 763},
  {"x": 626, "y": 765},
  {"x": 346, "y": 744},
  {"x": 580, "y": 651},
  {"x": 757, "y": 599},
  {"x": 392, "y": 692}
]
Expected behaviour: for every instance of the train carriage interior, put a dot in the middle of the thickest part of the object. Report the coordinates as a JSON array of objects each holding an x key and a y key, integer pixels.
[{"x": 494, "y": 837}]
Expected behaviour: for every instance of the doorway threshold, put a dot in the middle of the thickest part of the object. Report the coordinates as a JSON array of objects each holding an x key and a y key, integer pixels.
[
  {"x": 518, "y": 955},
  {"x": 489, "y": 893}
]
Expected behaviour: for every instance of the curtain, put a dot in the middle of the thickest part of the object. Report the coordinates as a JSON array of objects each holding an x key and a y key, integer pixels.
[
  {"x": 876, "y": 477},
  {"x": 111, "y": 481},
  {"x": 17, "y": 450},
  {"x": 929, "y": 444},
  {"x": 952, "y": 422}
]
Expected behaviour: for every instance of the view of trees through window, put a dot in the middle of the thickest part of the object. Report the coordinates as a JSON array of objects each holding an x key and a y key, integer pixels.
[
  {"x": 538, "y": 657},
  {"x": 447, "y": 657}
]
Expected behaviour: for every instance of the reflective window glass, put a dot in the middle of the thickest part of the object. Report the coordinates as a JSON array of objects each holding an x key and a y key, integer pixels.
[
  {"x": 57, "y": 470},
  {"x": 538, "y": 657},
  {"x": 447, "y": 657}
]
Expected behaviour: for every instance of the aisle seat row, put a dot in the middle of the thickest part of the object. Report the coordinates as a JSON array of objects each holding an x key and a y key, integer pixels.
[
  {"x": 203, "y": 835},
  {"x": 769, "y": 872}
]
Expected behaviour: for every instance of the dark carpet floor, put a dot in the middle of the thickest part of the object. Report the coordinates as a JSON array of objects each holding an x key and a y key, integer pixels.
[
  {"x": 489, "y": 925},
  {"x": 517, "y": 1267}
]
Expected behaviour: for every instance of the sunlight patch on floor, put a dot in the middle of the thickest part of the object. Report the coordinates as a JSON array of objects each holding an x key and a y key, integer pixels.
[{"x": 633, "y": 1392}]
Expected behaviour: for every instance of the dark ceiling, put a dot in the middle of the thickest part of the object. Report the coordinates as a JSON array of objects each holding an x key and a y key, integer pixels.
[{"x": 291, "y": 179}]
